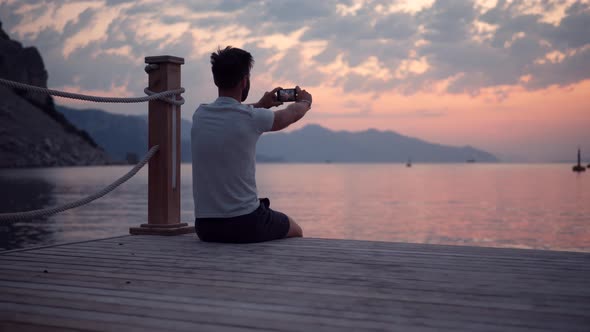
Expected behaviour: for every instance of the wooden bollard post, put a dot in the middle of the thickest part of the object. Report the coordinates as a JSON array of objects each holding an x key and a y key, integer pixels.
[{"x": 164, "y": 166}]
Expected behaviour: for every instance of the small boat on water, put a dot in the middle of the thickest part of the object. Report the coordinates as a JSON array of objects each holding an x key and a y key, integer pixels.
[
  {"x": 579, "y": 168},
  {"x": 409, "y": 163}
]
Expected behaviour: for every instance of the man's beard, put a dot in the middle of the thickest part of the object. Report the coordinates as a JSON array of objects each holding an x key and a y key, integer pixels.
[{"x": 246, "y": 90}]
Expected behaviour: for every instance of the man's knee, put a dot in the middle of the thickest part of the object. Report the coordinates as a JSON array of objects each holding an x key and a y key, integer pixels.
[{"x": 294, "y": 229}]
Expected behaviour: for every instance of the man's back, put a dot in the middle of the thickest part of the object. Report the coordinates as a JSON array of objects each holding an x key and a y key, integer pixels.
[
  {"x": 223, "y": 143},
  {"x": 223, "y": 139}
]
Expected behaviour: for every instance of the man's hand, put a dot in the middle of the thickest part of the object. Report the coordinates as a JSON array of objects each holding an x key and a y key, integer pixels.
[
  {"x": 294, "y": 112},
  {"x": 303, "y": 96},
  {"x": 269, "y": 99}
]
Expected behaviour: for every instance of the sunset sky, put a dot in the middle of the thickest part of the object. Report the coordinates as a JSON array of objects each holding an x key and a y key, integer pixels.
[{"x": 510, "y": 77}]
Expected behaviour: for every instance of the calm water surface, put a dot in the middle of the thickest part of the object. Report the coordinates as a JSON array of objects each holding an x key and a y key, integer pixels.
[{"x": 498, "y": 205}]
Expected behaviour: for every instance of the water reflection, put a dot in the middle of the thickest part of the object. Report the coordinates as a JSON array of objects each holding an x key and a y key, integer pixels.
[
  {"x": 529, "y": 206},
  {"x": 111, "y": 215},
  {"x": 25, "y": 194}
]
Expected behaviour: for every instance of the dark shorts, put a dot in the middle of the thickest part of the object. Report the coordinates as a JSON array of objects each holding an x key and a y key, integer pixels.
[{"x": 264, "y": 224}]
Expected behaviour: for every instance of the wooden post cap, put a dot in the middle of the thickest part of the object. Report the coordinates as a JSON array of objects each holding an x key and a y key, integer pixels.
[{"x": 164, "y": 58}]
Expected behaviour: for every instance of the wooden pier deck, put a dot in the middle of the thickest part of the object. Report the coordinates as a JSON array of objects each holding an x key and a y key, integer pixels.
[{"x": 143, "y": 283}]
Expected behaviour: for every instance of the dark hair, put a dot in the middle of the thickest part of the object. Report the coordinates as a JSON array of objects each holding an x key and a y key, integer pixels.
[{"x": 229, "y": 66}]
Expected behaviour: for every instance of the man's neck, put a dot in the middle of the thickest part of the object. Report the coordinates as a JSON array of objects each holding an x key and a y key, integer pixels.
[{"x": 237, "y": 95}]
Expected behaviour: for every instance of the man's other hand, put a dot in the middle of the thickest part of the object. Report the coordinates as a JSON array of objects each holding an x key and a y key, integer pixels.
[
  {"x": 303, "y": 95},
  {"x": 269, "y": 99}
]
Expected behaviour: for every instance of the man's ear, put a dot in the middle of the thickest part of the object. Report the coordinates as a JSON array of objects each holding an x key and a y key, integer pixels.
[{"x": 244, "y": 81}]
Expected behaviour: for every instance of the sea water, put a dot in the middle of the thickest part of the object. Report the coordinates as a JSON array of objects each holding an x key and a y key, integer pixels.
[{"x": 541, "y": 206}]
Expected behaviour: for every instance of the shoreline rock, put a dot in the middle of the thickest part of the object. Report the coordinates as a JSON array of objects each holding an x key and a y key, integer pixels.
[{"x": 32, "y": 132}]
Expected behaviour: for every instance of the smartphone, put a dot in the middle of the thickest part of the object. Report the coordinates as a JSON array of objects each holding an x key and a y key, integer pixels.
[{"x": 287, "y": 95}]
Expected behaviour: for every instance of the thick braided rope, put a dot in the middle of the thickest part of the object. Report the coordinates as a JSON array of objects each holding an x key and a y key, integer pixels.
[
  {"x": 51, "y": 211},
  {"x": 177, "y": 102},
  {"x": 150, "y": 96}
]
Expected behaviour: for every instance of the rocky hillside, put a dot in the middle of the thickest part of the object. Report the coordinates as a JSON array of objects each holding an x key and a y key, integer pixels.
[{"x": 32, "y": 132}]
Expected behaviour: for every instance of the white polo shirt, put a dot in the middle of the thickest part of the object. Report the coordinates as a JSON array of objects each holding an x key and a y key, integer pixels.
[{"x": 223, "y": 143}]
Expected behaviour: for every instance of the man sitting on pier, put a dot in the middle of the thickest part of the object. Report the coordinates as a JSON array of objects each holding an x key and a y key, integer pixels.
[{"x": 223, "y": 143}]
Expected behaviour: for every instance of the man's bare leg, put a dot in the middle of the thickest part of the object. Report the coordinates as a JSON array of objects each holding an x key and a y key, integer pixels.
[{"x": 294, "y": 229}]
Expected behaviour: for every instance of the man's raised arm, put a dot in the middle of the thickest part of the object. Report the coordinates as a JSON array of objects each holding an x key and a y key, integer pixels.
[{"x": 294, "y": 112}]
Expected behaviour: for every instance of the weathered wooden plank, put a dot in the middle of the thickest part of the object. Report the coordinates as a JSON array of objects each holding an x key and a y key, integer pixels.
[
  {"x": 377, "y": 245},
  {"x": 511, "y": 254},
  {"x": 498, "y": 317},
  {"x": 75, "y": 261},
  {"x": 304, "y": 279},
  {"x": 22, "y": 326},
  {"x": 201, "y": 314},
  {"x": 524, "y": 256},
  {"x": 366, "y": 246},
  {"x": 276, "y": 263},
  {"x": 213, "y": 271},
  {"x": 301, "y": 317},
  {"x": 523, "y": 301},
  {"x": 323, "y": 284},
  {"x": 354, "y": 256},
  {"x": 389, "y": 258},
  {"x": 255, "y": 273},
  {"x": 100, "y": 321},
  {"x": 35, "y": 248},
  {"x": 280, "y": 262},
  {"x": 423, "y": 247},
  {"x": 39, "y": 322}
]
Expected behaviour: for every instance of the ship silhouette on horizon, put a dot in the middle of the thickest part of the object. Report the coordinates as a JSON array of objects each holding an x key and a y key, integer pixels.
[{"x": 579, "y": 167}]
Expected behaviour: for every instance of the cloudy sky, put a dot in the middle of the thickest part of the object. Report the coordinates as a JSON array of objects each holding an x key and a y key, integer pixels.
[{"x": 511, "y": 77}]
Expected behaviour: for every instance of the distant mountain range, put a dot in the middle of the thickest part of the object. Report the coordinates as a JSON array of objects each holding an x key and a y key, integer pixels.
[
  {"x": 315, "y": 143},
  {"x": 122, "y": 134}
]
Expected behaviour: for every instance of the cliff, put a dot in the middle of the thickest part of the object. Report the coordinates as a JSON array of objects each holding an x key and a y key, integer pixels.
[{"x": 32, "y": 132}]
